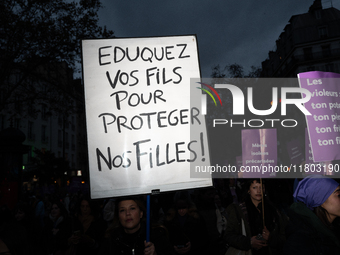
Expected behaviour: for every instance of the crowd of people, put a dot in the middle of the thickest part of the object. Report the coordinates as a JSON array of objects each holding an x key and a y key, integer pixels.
[{"x": 232, "y": 217}]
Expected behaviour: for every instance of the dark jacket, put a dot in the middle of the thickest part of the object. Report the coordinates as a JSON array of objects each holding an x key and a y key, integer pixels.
[
  {"x": 274, "y": 223},
  {"x": 188, "y": 229},
  {"x": 57, "y": 240},
  {"x": 306, "y": 234},
  {"x": 119, "y": 242},
  {"x": 95, "y": 231}
]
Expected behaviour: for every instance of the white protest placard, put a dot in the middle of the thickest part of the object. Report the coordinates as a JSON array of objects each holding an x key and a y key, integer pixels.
[{"x": 143, "y": 121}]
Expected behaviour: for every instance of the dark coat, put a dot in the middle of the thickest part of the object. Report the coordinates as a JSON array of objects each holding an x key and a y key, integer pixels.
[
  {"x": 274, "y": 223},
  {"x": 52, "y": 243},
  {"x": 95, "y": 231},
  {"x": 306, "y": 234},
  {"x": 190, "y": 230},
  {"x": 119, "y": 242}
]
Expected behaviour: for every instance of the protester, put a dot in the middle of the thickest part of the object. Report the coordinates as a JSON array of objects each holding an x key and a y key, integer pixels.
[
  {"x": 57, "y": 229},
  {"x": 187, "y": 232},
  {"x": 13, "y": 236},
  {"x": 88, "y": 228},
  {"x": 311, "y": 229},
  {"x": 23, "y": 214},
  {"x": 207, "y": 210},
  {"x": 39, "y": 209},
  {"x": 261, "y": 237},
  {"x": 127, "y": 234},
  {"x": 221, "y": 214}
]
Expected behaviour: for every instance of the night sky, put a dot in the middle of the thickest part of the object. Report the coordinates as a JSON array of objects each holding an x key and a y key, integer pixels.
[{"x": 228, "y": 31}]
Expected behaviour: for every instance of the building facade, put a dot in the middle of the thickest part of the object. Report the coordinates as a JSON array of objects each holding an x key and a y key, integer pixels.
[
  {"x": 309, "y": 42},
  {"x": 51, "y": 114}
]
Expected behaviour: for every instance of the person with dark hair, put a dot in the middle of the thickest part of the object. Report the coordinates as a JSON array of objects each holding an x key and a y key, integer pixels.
[
  {"x": 187, "y": 232},
  {"x": 13, "y": 236},
  {"x": 261, "y": 237},
  {"x": 207, "y": 211},
  {"x": 127, "y": 233},
  {"x": 310, "y": 229},
  {"x": 39, "y": 211},
  {"x": 23, "y": 214},
  {"x": 88, "y": 228},
  {"x": 57, "y": 229}
]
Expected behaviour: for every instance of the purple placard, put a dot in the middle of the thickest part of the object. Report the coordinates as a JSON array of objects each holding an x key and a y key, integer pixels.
[
  {"x": 295, "y": 152},
  {"x": 324, "y": 105},
  {"x": 308, "y": 149},
  {"x": 259, "y": 153}
]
